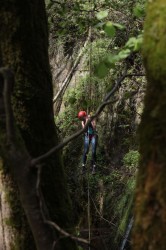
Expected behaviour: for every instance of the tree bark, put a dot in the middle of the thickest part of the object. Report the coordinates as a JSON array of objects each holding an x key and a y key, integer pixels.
[
  {"x": 24, "y": 49},
  {"x": 150, "y": 205}
]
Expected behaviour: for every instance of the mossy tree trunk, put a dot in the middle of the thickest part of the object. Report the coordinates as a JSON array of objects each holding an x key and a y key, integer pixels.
[
  {"x": 24, "y": 49},
  {"x": 150, "y": 206}
]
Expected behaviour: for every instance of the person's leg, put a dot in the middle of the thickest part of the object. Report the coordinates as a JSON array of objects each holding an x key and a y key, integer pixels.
[
  {"x": 86, "y": 149},
  {"x": 94, "y": 146}
]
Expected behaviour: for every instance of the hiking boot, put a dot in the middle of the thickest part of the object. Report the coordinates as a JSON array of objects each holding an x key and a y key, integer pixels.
[{"x": 94, "y": 169}]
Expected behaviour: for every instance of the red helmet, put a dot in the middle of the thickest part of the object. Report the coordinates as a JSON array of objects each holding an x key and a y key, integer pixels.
[{"x": 81, "y": 115}]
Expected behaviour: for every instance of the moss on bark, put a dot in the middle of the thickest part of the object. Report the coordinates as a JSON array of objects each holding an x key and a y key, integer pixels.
[{"x": 150, "y": 206}]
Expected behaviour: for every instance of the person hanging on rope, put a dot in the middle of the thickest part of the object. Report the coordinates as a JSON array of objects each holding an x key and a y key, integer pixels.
[{"x": 90, "y": 137}]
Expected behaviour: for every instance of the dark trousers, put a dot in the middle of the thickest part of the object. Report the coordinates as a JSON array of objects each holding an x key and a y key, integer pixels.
[{"x": 91, "y": 139}]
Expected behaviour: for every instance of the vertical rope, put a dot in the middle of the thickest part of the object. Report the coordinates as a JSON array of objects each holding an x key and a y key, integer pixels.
[
  {"x": 90, "y": 96},
  {"x": 90, "y": 55},
  {"x": 89, "y": 217}
]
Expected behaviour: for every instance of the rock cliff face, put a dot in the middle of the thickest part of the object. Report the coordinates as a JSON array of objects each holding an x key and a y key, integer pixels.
[{"x": 66, "y": 69}]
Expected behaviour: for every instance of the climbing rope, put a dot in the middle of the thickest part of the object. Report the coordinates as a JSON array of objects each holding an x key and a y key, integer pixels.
[
  {"x": 89, "y": 215},
  {"x": 90, "y": 95}
]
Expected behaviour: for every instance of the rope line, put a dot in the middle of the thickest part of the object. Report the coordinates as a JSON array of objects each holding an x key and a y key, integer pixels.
[
  {"x": 89, "y": 215},
  {"x": 90, "y": 94}
]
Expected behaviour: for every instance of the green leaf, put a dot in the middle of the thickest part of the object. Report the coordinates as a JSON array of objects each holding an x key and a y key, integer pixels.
[
  {"x": 119, "y": 26},
  {"x": 112, "y": 59},
  {"x": 99, "y": 25},
  {"x": 124, "y": 53},
  {"x": 138, "y": 44},
  {"x": 130, "y": 43},
  {"x": 101, "y": 70},
  {"x": 109, "y": 29},
  {"x": 102, "y": 14},
  {"x": 134, "y": 43},
  {"x": 138, "y": 11}
]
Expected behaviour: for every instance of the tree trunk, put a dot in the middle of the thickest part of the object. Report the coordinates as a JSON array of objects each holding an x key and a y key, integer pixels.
[
  {"x": 14, "y": 230},
  {"x": 24, "y": 48},
  {"x": 6, "y": 232},
  {"x": 150, "y": 205}
]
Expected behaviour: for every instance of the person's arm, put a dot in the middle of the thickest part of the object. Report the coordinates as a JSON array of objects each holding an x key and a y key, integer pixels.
[
  {"x": 83, "y": 124},
  {"x": 94, "y": 124}
]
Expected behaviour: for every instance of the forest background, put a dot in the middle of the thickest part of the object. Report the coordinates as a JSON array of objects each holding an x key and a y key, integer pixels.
[{"x": 96, "y": 65}]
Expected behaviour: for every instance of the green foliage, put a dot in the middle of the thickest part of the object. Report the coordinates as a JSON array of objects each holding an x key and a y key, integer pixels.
[
  {"x": 101, "y": 69},
  {"x": 123, "y": 206},
  {"x": 131, "y": 159},
  {"x": 109, "y": 29},
  {"x": 102, "y": 14},
  {"x": 132, "y": 45},
  {"x": 67, "y": 121},
  {"x": 139, "y": 10}
]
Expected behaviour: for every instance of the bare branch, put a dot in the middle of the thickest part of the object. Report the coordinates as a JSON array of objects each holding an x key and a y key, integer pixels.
[{"x": 63, "y": 232}]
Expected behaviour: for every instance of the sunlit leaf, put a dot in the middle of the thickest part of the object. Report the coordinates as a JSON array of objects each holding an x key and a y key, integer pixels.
[
  {"x": 130, "y": 43},
  {"x": 102, "y": 14},
  {"x": 124, "y": 53},
  {"x": 134, "y": 43}
]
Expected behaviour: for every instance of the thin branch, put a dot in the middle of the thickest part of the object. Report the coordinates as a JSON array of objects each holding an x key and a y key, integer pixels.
[
  {"x": 66, "y": 234},
  {"x": 70, "y": 138}
]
